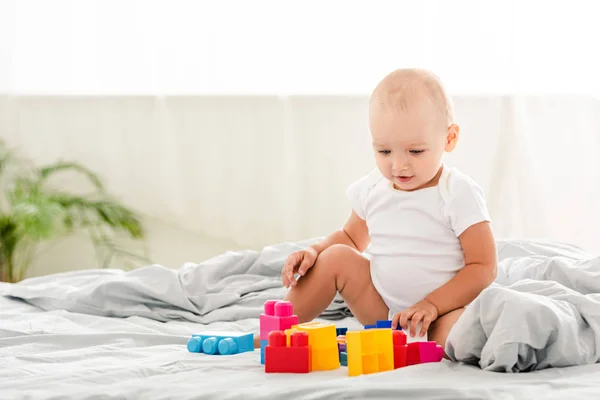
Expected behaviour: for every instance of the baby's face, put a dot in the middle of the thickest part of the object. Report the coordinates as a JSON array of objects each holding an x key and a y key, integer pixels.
[{"x": 409, "y": 146}]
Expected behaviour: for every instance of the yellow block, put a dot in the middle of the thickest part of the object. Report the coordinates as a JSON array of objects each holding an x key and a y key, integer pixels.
[
  {"x": 288, "y": 335},
  {"x": 369, "y": 351},
  {"x": 385, "y": 348},
  {"x": 354, "y": 351},
  {"x": 322, "y": 340},
  {"x": 320, "y": 335},
  {"x": 325, "y": 359}
]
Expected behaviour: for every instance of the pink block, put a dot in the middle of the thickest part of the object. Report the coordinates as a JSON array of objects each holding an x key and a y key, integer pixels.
[
  {"x": 268, "y": 323},
  {"x": 287, "y": 322},
  {"x": 270, "y": 307},
  {"x": 277, "y": 317},
  {"x": 428, "y": 352},
  {"x": 283, "y": 309},
  {"x": 440, "y": 352}
]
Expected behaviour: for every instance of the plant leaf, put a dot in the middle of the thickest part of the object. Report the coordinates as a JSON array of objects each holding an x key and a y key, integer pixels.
[
  {"x": 106, "y": 211},
  {"x": 49, "y": 170}
]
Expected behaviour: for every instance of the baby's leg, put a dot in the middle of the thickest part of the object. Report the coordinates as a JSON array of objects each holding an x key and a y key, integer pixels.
[
  {"x": 343, "y": 269},
  {"x": 441, "y": 327}
]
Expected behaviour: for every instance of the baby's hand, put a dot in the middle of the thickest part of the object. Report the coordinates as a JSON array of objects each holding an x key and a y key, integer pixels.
[
  {"x": 422, "y": 311},
  {"x": 298, "y": 262}
]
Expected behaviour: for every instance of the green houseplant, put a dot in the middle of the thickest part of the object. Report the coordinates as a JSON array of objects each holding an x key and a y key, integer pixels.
[{"x": 32, "y": 212}]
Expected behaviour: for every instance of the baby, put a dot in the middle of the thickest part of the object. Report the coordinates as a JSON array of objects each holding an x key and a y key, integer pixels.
[{"x": 426, "y": 225}]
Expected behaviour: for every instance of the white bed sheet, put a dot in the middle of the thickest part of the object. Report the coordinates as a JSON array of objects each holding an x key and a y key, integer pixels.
[{"x": 58, "y": 354}]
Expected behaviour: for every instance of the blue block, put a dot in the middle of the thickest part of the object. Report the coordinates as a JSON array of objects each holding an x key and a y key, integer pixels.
[
  {"x": 221, "y": 343},
  {"x": 384, "y": 324},
  {"x": 344, "y": 358},
  {"x": 263, "y": 344},
  {"x": 341, "y": 331},
  {"x": 370, "y": 326}
]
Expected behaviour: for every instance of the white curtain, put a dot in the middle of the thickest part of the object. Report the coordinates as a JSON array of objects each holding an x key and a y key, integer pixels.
[
  {"x": 260, "y": 170},
  {"x": 241, "y": 123}
]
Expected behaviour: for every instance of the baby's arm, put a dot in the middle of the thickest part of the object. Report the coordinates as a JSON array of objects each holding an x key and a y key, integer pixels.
[
  {"x": 354, "y": 234},
  {"x": 480, "y": 270}
]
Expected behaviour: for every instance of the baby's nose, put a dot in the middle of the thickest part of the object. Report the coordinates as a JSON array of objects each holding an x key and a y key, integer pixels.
[{"x": 400, "y": 165}]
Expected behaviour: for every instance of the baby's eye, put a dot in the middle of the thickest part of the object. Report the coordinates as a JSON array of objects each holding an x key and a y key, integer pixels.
[
  {"x": 416, "y": 151},
  {"x": 384, "y": 151}
]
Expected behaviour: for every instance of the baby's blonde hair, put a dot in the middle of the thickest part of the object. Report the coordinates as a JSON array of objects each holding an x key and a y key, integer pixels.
[{"x": 401, "y": 88}]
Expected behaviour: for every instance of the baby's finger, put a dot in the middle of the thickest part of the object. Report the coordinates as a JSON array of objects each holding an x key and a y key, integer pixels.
[
  {"x": 284, "y": 279},
  {"x": 395, "y": 320},
  {"x": 404, "y": 317},
  {"x": 304, "y": 266},
  {"x": 425, "y": 326},
  {"x": 414, "y": 322},
  {"x": 288, "y": 269},
  {"x": 285, "y": 274}
]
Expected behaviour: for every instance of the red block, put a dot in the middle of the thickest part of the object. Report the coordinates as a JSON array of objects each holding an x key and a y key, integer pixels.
[
  {"x": 400, "y": 348},
  {"x": 412, "y": 354},
  {"x": 295, "y": 358}
]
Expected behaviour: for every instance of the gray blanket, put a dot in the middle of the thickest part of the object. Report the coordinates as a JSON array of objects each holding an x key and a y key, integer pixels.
[
  {"x": 229, "y": 287},
  {"x": 544, "y": 309}
]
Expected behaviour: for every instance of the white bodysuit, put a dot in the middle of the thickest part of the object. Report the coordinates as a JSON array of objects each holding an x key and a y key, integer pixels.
[{"x": 414, "y": 235}]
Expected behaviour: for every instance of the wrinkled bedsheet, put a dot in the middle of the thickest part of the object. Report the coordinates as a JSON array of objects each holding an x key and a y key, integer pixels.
[{"x": 115, "y": 334}]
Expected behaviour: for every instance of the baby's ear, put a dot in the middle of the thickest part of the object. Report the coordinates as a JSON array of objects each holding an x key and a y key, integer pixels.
[{"x": 452, "y": 137}]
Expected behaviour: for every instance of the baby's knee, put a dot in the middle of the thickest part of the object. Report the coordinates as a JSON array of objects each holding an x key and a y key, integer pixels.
[
  {"x": 337, "y": 257},
  {"x": 336, "y": 252}
]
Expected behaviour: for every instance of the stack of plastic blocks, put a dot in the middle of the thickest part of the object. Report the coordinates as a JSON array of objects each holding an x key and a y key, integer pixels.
[
  {"x": 371, "y": 350},
  {"x": 343, "y": 355},
  {"x": 221, "y": 343},
  {"x": 277, "y": 316},
  {"x": 283, "y": 356}
]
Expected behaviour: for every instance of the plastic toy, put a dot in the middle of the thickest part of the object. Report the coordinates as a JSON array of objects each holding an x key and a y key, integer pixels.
[
  {"x": 277, "y": 316},
  {"x": 381, "y": 325},
  {"x": 263, "y": 345},
  {"x": 221, "y": 343},
  {"x": 423, "y": 352},
  {"x": 341, "y": 331},
  {"x": 400, "y": 349},
  {"x": 369, "y": 351},
  {"x": 341, "y": 343},
  {"x": 281, "y": 357},
  {"x": 344, "y": 358},
  {"x": 323, "y": 344}
]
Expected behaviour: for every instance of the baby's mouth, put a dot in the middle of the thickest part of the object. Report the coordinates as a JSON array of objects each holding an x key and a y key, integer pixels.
[{"x": 404, "y": 178}]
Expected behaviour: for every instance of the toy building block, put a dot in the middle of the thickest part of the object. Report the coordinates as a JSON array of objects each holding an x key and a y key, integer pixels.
[
  {"x": 280, "y": 357},
  {"x": 370, "y": 326},
  {"x": 277, "y": 316},
  {"x": 341, "y": 343},
  {"x": 263, "y": 345},
  {"x": 423, "y": 352},
  {"x": 400, "y": 349},
  {"x": 344, "y": 358},
  {"x": 369, "y": 351},
  {"x": 385, "y": 324},
  {"x": 221, "y": 343},
  {"x": 341, "y": 331},
  {"x": 323, "y": 344}
]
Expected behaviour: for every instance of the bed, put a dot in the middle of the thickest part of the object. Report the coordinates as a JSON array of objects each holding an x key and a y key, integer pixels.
[{"x": 116, "y": 334}]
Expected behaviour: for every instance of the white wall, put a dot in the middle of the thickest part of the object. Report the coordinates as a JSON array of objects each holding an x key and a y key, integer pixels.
[{"x": 230, "y": 172}]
